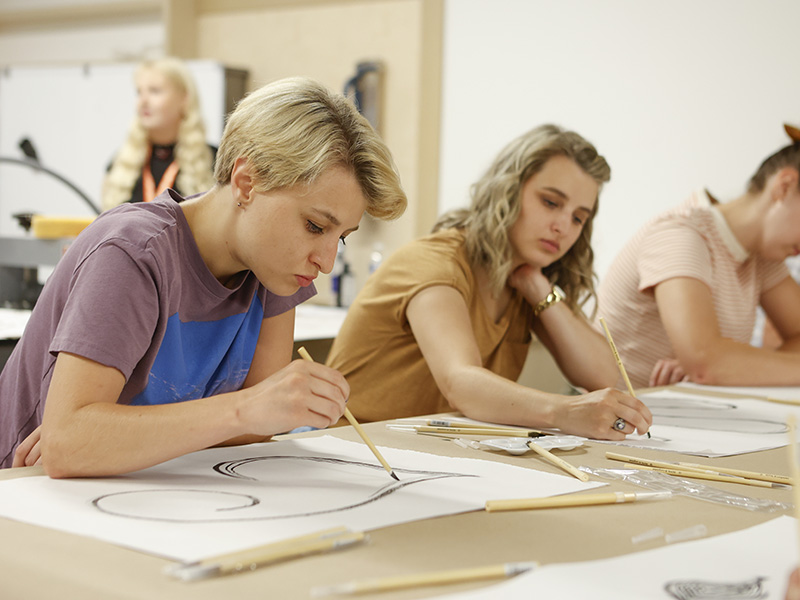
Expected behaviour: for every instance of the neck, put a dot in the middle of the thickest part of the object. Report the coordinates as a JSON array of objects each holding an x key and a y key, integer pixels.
[
  {"x": 744, "y": 215},
  {"x": 211, "y": 218},
  {"x": 163, "y": 137}
]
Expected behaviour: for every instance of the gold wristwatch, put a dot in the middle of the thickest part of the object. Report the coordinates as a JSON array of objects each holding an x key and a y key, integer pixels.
[{"x": 555, "y": 295}]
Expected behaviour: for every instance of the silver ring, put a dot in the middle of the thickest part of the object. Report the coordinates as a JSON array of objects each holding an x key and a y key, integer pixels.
[{"x": 620, "y": 424}]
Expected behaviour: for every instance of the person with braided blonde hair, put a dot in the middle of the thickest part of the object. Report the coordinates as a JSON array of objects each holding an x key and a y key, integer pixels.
[
  {"x": 445, "y": 322},
  {"x": 680, "y": 298},
  {"x": 166, "y": 145}
]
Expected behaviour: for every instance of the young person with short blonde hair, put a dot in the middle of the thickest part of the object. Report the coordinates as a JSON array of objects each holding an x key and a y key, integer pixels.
[{"x": 168, "y": 326}]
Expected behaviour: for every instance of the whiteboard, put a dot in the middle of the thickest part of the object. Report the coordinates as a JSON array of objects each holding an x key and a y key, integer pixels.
[
  {"x": 677, "y": 95},
  {"x": 77, "y": 118}
]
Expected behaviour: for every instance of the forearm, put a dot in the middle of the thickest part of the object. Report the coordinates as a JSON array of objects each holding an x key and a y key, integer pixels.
[
  {"x": 103, "y": 438},
  {"x": 582, "y": 354},
  {"x": 482, "y": 395},
  {"x": 725, "y": 362},
  {"x": 243, "y": 440}
]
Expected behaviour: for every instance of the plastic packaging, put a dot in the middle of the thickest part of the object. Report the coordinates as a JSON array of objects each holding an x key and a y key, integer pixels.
[
  {"x": 646, "y": 536},
  {"x": 690, "y": 533},
  {"x": 656, "y": 481},
  {"x": 375, "y": 257}
]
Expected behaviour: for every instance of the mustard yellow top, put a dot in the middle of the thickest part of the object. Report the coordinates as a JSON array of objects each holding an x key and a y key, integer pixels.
[{"x": 378, "y": 354}]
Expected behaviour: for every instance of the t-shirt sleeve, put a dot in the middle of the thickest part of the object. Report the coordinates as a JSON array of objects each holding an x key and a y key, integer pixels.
[
  {"x": 673, "y": 248},
  {"x": 111, "y": 311},
  {"x": 424, "y": 265},
  {"x": 772, "y": 273}
]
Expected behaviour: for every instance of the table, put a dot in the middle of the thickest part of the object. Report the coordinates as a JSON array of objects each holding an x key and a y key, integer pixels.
[{"x": 41, "y": 563}]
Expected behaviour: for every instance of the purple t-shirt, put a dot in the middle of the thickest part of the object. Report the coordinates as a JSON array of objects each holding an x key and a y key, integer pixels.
[{"x": 133, "y": 293}]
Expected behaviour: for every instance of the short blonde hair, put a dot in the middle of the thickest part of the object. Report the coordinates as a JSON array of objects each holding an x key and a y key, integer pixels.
[
  {"x": 191, "y": 149},
  {"x": 496, "y": 206},
  {"x": 294, "y": 129}
]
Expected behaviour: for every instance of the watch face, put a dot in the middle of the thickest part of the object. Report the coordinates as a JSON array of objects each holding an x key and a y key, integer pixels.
[{"x": 555, "y": 295}]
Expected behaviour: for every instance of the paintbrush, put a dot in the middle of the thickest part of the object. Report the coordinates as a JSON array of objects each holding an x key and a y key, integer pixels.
[{"x": 349, "y": 416}]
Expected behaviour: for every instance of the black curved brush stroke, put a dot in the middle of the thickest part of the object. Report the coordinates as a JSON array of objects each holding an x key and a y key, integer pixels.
[
  {"x": 228, "y": 469},
  {"x": 726, "y": 424},
  {"x": 692, "y": 589},
  {"x": 692, "y": 403},
  {"x": 253, "y": 501}
]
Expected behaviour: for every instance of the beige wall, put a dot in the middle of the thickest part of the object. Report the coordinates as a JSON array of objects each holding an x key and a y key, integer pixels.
[{"x": 325, "y": 41}]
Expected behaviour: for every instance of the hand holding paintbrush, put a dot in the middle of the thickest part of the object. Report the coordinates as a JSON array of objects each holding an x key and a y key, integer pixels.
[
  {"x": 621, "y": 370},
  {"x": 352, "y": 420}
]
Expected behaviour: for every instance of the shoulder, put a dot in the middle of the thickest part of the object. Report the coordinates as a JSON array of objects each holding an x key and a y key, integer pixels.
[
  {"x": 688, "y": 225},
  {"x": 447, "y": 244},
  {"x": 140, "y": 220},
  {"x": 694, "y": 213},
  {"x": 137, "y": 229}
]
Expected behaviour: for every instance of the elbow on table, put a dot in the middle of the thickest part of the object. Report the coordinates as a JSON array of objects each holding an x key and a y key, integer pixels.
[
  {"x": 703, "y": 370},
  {"x": 57, "y": 469},
  {"x": 58, "y": 461},
  {"x": 451, "y": 387}
]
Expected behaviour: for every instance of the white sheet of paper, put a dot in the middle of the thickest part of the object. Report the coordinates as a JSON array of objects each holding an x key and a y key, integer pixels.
[
  {"x": 226, "y": 499},
  {"x": 706, "y": 426},
  {"x": 783, "y": 393},
  {"x": 13, "y": 322},
  {"x": 732, "y": 566}
]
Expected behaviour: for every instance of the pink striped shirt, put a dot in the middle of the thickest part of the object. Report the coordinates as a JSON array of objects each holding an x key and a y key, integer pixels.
[{"x": 692, "y": 240}]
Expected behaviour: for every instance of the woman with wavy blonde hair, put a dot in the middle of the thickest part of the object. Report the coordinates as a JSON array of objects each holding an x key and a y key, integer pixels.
[
  {"x": 166, "y": 145},
  {"x": 445, "y": 323}
]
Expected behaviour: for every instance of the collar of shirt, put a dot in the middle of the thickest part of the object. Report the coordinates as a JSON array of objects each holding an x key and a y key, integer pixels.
[{"x": 739, "y": 253}]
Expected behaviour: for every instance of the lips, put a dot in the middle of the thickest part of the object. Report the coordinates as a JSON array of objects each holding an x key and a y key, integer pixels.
[
  {"x": 304, "y": 281},
  {"x": 550, "y": 245}
]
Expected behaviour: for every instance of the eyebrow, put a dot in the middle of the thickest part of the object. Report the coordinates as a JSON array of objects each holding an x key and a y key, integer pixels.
[
  {"x": 327, "y": 215},
  {"x": 331, "y": 218},
  {"x": 555, "y": 191},
  {"x": 561, "y": 194}
]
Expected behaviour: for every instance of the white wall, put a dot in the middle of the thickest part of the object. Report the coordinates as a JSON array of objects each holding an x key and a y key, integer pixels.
[
  {"x": 77, "y": 118},
  {"x": 676, "y": 94}
]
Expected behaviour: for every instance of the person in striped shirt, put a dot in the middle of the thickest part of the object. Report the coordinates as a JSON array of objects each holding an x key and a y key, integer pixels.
[{"x": 680, "y": 299}]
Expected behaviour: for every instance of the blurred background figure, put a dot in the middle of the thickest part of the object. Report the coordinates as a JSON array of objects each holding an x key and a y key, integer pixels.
[{"x": 166, "y": 146}]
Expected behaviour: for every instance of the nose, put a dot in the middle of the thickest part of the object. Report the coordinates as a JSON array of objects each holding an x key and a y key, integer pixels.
[
  {"x": 326, "y": 256},
  {"x": 562, "y": 222}
]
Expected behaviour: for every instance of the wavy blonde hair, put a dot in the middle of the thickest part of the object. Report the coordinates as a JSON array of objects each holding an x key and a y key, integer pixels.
[
  {"x": 294, "y": 129},
  {"x": 191, "y": 150},
  {"x": 495, "y": 208}
]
